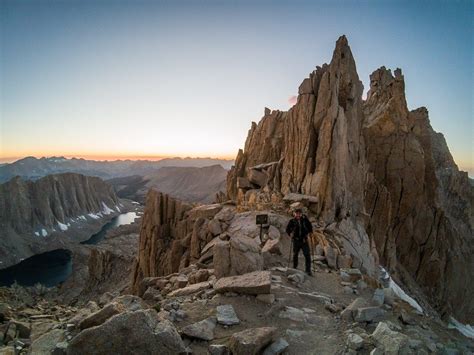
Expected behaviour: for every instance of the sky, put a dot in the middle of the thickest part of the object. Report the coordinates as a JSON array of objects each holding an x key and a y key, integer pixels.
[{"x": 186, "y": 78}]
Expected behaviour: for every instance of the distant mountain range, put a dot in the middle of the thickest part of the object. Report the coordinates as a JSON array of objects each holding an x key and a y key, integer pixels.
[
  {"x": 189, "y": 184},
  {"x": 31, "y": 168}
]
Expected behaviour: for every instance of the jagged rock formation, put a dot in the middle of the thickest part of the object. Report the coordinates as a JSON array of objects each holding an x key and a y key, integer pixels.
[
  {"x": 175, "y": 235},
  {"x": 377, "y": 172},
  {"x": 35, "y": 215}
]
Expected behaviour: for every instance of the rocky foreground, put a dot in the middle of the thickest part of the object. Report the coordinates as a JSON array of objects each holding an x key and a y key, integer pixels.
[{"x": 237, "y": 296}]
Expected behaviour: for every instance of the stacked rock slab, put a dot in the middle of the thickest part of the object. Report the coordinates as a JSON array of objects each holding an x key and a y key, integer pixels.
[{"x": 375, "y": 168}]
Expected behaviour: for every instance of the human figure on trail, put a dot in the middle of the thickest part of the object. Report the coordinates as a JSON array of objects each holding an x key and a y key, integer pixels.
[{"x": 299, "y": 228}]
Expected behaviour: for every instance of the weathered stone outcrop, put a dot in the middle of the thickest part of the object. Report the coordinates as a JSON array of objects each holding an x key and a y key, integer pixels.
[
  {"x": 173, "y": 235},
  {"x": 420, "y": 204},
  {"x": 378, "y": 174}
]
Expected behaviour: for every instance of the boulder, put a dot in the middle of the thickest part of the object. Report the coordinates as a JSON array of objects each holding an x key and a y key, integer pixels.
[
  {"x": 390, "y": 341},
  {"x": 354, "y": 341},
  {"x": 214, "y": 227},
  {"x": 118, "y": 305},
  {"x": 253, "y": 283},
  {"x": 152, "y": 294},
  {"x": 46, "y": 343},
  {"x": 245, "y": 255},
  {"x": 181, "y": 281},
  {"x": 257, "y": 177},
  {"x": 251, "y": 341},
  {"x": 138, "y": 332},
  {"x": 203, "y": 330},
  {"x": 226, "y": 315},
  {"x": 272, "y": 246}
]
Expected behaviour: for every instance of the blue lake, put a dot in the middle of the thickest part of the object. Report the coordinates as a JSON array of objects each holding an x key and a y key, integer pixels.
[
  {"x": 48, "y": 269},
  {"x": 54, "y": 267},
  {"x": 120, "y": 220}
]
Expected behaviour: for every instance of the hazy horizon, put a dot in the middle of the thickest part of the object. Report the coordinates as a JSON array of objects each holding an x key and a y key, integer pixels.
[{"x": 176, "y": 79}]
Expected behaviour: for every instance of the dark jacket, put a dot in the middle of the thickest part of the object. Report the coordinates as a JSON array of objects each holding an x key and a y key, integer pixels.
[{"x": 300, "y": 229}]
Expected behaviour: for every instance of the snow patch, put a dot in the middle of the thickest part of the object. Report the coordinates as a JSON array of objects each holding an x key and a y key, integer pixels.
[
  {"x": 402, "y": 294},
  {"x": 62, "y": 226},
  {"x": 37, "y": 234},
  {"x": 135, "y": 202},
  {"x": 93, "y": 215},
  {"x": 44, "y": 233},
  {"x": 106, "y": 210},
  {"x": 465, "y": 329},
  {"x": 117, "y": 208}
]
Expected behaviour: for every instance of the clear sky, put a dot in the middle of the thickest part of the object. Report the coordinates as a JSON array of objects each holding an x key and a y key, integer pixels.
[{"x": 186, "y": 78}]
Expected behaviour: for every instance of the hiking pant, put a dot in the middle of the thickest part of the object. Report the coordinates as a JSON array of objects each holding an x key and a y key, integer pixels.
[{"x": 301, "y": 245}]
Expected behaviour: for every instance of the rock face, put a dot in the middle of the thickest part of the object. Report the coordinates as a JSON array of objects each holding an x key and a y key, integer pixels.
[
  {"x": 173, "y": 235},
  {"x": 33, "y": 212},
  {"x": 377, "y": 173}
]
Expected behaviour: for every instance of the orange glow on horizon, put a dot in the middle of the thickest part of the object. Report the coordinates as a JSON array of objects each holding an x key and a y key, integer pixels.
[{"x": 112, "y": 157}]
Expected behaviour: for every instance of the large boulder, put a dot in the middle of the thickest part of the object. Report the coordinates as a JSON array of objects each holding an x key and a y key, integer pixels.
[
  {"x": 139, "y": 332},
  {"x": 245, "y": 255},
  {"x": 251, "y": 341},
  {"x": 390, "y": 341},
  {"x": 118, "y": 305},
  {"x": 46, "y": 343},
  {"x": 253, "y": 283},
  {"x": 238, "y": 256},
  {"x": 203, "y": 330}
]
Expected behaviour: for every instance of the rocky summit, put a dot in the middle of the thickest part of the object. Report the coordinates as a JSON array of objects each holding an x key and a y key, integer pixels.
[
  {"x": 391, "y": 247},
  {"x": 372, "y": 169}
]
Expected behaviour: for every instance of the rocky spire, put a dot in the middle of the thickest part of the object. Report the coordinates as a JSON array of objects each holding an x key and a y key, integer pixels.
[{"x": 374, "y": 166}]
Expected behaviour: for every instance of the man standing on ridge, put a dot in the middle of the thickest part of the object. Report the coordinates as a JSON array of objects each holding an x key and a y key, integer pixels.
[{"x": 298, "y": 228}]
